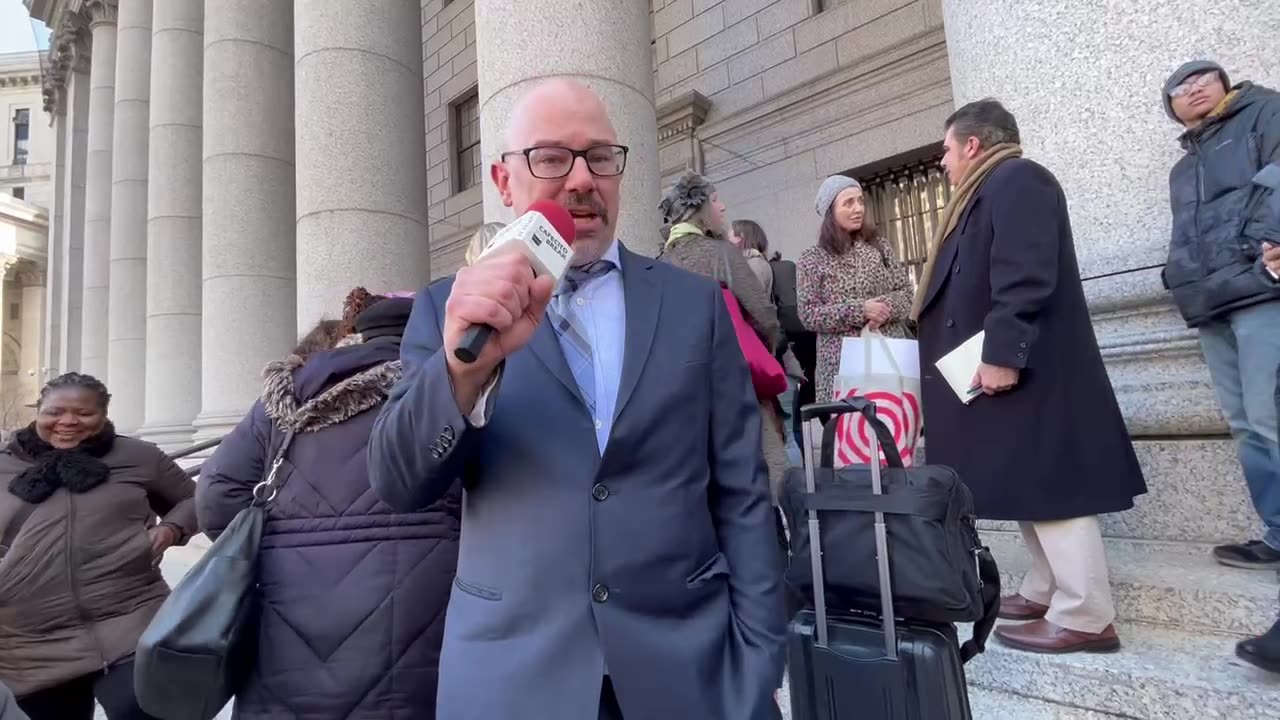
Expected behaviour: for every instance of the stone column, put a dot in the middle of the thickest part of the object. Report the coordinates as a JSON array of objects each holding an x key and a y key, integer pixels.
[
  {"x": 32, "y": 281},
  {"x": 12, "y": 413},
  {"x": 248, "y": 260},
  {"x": 173, "y": 223},
  {"x": 71, "y": 268},
  {"x": 361, "y": 193},
  {"x": 51, "y": 341},
  {"x": 127, "y": 287},
  {"x": 602, "y": 47},
  {"x": 97, "y": 210},
  {"x": 1101, "y": 128}
]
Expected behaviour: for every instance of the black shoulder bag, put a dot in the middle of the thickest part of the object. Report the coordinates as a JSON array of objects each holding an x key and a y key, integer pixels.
[
  {"x": 941, "y": 571},
  {"x": 200, "y": 646}
]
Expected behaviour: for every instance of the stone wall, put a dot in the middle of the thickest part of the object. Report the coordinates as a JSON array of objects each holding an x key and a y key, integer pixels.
[
  {"x": 795, "y": 94},
  {"x": 449, "y": 66}
]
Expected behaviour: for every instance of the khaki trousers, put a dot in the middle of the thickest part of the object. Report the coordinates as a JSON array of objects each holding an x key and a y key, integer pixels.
[{"x": 1069, "y": 573}]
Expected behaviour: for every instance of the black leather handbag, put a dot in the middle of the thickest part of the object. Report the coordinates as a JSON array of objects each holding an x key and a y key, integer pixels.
[
  {"x": 940, "y": 570},
  {"x": 201, "y": 645}
]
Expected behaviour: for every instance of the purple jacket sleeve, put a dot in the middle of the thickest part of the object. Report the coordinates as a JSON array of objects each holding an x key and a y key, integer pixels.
[{"x": 420, "y": 440}]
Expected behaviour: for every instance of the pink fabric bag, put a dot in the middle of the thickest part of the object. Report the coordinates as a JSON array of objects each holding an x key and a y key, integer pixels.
[{"x": 767, "y": 375}]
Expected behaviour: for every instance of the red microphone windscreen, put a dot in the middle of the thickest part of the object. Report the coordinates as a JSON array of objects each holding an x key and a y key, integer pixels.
[{"x": 559, "y": 218}]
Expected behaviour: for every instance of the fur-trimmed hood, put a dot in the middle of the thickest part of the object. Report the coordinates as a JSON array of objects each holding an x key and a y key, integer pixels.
[{"x": 329, "y": 387}]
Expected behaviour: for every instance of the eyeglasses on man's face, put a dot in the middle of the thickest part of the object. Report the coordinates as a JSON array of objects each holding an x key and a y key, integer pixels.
[
  {"x": 550, "y": 162},
  {"x": 1193, "y": 82}
]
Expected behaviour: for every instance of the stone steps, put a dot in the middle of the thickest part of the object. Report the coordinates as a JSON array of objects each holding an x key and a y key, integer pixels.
[
  {"x": 1195, "y": 494},
  {"x": 1162, "y": 673},
  {"x": 1164, "y": 583},
  {"x": 996, "y": 705}
]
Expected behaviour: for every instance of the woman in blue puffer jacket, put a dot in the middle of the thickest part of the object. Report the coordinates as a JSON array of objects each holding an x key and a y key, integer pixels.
[{"x": 353, "y": 594}]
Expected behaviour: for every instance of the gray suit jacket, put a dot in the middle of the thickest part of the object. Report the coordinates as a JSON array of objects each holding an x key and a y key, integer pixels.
[{"x": 659, "y": 560}]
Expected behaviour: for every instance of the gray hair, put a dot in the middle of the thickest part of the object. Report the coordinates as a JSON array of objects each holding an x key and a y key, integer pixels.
[
  {"x": 481, "y": 239},
  {"x": 689, "y": 201},
  {"x": 986, "y": 120}
]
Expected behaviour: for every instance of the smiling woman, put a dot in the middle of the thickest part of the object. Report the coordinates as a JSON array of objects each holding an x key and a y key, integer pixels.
[{"x": 80, "y": 550}]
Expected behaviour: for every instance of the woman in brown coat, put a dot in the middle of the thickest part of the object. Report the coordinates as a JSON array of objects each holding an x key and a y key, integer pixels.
[
  {"x": 697, "y": 240},
  {"x": 81, "y": 579}
]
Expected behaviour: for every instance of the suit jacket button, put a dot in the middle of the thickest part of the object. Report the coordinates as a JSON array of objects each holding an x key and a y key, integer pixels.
[
  {"x": 1021, "y": 355},
  {"x": 599, "y": 593},
  {"x": 599, "y": 492},
  {"x": 1022, "y": 345},
  {"x": 435, "y": 453},
  {"x": 951, "y": 323},
  {"x": 447, "y": 432}
]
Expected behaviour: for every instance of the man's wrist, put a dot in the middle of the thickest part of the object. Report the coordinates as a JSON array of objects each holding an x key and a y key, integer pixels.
[{"x": 467, "y": 384}]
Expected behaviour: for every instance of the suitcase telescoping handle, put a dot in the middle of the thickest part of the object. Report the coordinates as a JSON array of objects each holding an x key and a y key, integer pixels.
[{"x": 824, "y": 411}]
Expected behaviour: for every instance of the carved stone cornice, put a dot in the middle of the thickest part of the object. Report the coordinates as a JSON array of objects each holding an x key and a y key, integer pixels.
[
  {"x": 102, "y": 12},
  {"x": 681, "y": 115},
  {"x": 29, "y": 276},
  {"x": 69, "y": 50}
]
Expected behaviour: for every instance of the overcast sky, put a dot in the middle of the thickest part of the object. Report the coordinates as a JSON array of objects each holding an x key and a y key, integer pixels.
[{"x": 19, "y": 33}]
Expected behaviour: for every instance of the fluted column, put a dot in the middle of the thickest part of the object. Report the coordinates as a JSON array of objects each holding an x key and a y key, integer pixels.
[
  {"x": 173, "y": 223},
  {"x": 248, "y": 250},
  {"x": 127, "y": 285},
  {"x": 51, "y": 339},
  {"x": 71, "y": 265},
  {"x": 361, "y": 193},
  {"x": 600, "y": 46},
  {"x": 97, "y": 201}
]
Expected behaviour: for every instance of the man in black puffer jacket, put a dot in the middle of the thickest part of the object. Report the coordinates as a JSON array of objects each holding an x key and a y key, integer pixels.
[{"x": 1224, "y": 196}]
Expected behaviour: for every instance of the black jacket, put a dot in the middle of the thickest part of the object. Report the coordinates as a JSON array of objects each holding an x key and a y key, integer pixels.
[
  {"x": 1055, "y": 446},
  {"x": 1220, "y": 215}
]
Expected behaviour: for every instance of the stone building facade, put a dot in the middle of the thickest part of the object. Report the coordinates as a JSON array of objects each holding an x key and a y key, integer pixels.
[
  {"x": 26, "y": 169},
  {"x": 224, "y": 171},
  {"x": 219, "y": 181}
]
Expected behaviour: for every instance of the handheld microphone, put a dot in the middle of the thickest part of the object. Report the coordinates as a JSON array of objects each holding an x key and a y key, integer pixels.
[{"x": 544, "y": 235}]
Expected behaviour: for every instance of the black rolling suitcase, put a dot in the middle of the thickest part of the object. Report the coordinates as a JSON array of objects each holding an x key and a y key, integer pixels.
[{"x": 864, "y": 667}]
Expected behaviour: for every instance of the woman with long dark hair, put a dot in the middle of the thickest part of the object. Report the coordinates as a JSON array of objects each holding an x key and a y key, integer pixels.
[{"x": 850, "y": 281}]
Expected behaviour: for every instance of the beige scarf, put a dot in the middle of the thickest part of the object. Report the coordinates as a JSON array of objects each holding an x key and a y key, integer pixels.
[{"x": 951, "y": 214}]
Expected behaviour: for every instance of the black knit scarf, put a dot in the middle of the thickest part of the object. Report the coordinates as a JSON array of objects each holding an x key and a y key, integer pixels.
[{"x": 78, "y": 470}]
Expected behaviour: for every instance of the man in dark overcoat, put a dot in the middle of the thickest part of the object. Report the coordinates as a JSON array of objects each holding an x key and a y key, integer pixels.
[{"x": 1043, "y": 442}]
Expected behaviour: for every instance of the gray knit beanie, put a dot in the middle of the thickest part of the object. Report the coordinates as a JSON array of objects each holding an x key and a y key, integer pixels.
[
  {"x": 831, "y": 187},
  {"x": 1179, "y": 76},
  {"x": 685, "y": 198}
]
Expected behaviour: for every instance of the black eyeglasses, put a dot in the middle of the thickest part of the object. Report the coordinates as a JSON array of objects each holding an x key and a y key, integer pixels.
[{"x": 550, "y": 162}]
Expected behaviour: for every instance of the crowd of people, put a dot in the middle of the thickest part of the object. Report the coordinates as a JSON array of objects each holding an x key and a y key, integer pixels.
[{"x": 582, "y": 522}]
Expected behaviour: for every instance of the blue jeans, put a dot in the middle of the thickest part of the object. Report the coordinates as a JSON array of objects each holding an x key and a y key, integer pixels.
[{"x": 1242, "y": 351}]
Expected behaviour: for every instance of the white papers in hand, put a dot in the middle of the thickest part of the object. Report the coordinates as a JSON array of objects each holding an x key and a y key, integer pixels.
[{"x": 960, "y": 365}]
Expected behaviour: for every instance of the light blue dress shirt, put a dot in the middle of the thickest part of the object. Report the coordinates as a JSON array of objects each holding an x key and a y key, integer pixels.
[{"x": 601, "y": 313}]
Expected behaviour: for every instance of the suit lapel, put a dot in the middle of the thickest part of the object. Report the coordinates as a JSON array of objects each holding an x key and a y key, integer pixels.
[
  {"x": 642, "y": 291},
  {"x": 546, "y": 347}
]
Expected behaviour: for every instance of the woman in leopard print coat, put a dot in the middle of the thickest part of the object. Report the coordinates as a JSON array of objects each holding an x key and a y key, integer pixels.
[{"x": 851, "y": 280}]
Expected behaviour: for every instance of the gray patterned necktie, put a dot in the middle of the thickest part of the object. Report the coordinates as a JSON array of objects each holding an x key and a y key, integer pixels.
[{"x": 567, "y": 324}]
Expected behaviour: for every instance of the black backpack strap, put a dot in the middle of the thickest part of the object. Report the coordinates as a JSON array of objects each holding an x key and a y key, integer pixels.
[
  {"x": 15, "y": 527},
  {"x": 888, "y": 446},
  {"x": 989, "y": 574}
]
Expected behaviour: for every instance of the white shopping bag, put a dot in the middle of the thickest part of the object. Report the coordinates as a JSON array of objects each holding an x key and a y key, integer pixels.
[{"x": 885, "y": 371}]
